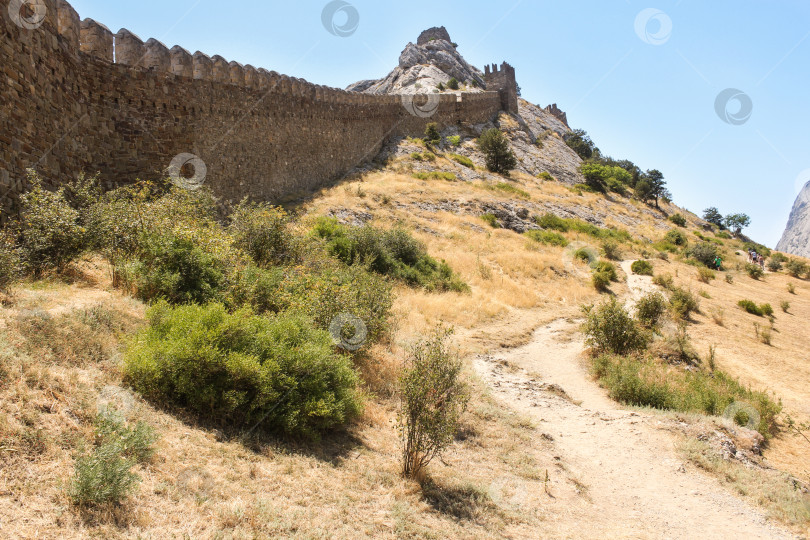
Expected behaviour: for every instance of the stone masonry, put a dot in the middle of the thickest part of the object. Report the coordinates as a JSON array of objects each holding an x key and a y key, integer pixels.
[{"x": 77, "y": 97}]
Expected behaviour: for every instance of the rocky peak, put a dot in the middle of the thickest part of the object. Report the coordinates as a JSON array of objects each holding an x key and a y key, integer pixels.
[
  {"x": 423, "y": 66},
  {"x": 796, "y": 239}
]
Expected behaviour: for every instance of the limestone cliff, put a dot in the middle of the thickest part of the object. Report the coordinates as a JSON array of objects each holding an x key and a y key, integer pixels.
[{"x": 796, "y": 239}]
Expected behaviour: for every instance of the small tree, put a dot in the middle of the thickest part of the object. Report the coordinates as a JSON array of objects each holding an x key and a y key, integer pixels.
[
  {"x": 432, "y": 134},
  {"x": 737, "y": 222},
  {"x": 433, "y": 400},
  {"x": 658, "y": 188},
  {"x": 643, "y": 190},
  {"x": 609, "y": 328},
  {"x": 452, "y": 84},
  {"x": 713, "y": 216},
  {"x": 579, "y": 141},
  {"x": 499, "y": 157}
]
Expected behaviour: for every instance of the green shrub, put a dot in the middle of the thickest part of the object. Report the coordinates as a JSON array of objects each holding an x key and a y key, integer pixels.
[
  {"x": 723, "y": 234},
  {"x": 791, "y": 288},
  {"x": 509, "y": 188},
  {"x": 259, "y": 288},
  {"x": 585, "y": 255},
  {"x": 452, "y": 84},
  {"x": 491, "y": 220},
  {"x": 754, "y": 271},
  {"x": 499, "y": 158},
  {"x": 50, "y": 231},
  {"x": 750, "y": 307},
  {"x": 550, "y": 238},
  {"x": 650, "y": 308},
  {"x": 607, "y": 268},
  {"x": 550, "y": 221},
  {"x": 648, "y": 383},
  {"x": 796, "y": 268},
  {"x": 393, "y": 253},
  {"x": 432, "y": 134},
  {"x": 263, "y": 232},
  {"x": 462, "y": 160},
  {"x": 676, "y": 238},
  {"x": 785, "y": 306},
  {"x": 683, "y": 303},
  {"x": 774, "y": 265},
  {"x": 243, "y": 370},
  {"x": 705, "y": 253},
  {"x": 678, "y": 220},
  {"x": 642, "y": 268},
  {"x": 609, "y": 328},
  {"x": 545, "y": 175},
  {"x": 455, "y": 140},
  {"x": 665, "y": 281},
  {"x": 779, "y": 257},
  {"x": 433, "y": 398},
  {"x": 177, "y": 270},
  {"x": 766, "y": 310},
  {"x": 436, "y": 175},
  {"x": 601, "y": 281},
  {"x": 705, "y": 275},
  {"x": 611, "y": 250},
  {"x": 11, "y": 265}
]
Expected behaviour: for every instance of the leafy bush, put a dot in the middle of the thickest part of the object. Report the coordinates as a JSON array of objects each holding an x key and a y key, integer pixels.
[
  {"x": 648, "y": 383},
  {"x": 455, "y": 140},
  {"x": 579, "y": 141},
  {"x": 550, "y": 221},
  {"x": 750, "y": 307},
  {"x": 705, "y": 253},
  {"x": 452, "y": 84},
  {"x": 791, "y": 288},
  {"x": 432, "y": 134},
  {"x": 262, "y": 231},
  {"x": 177, "y": 270},
  {"x": 600, "y": 281},
  {"x": 642, "y": 268},
  {"x": 259, "y": 288},
  {"x": 436, "y": 175},
  {"x": 241, "y": 369},
  {"x": 611, "y": 250},
  {"x": 433, "y": 398},
  {"x": 550, "y": 238},
  {"x": 393, "y": 253},
  {"x": 10, "y": 260},
  {"x": 50, "y": 231},
  {"x": 705, "y": 275},
  {"x": 796, "y": 268},
  {"x": 676, "y": 237},
  {"x": 545, "y": 175},
  {"x": 650, "y": 308},
  {"x": 774, "y": 265},
  {"x": 785, "y": 306},
  {"x": 499, "y": 158},
  {"x": 723, "y": 234},
  {"x": 491, "y": 220},
  {"x": 462, "y": 160},
  {"x": 766, "y": 310},
  {"x": 509, "y": 188},
  {"x": 754, "y": 271},
  {"x": 607, "y": 268},
  {"x": 683, "y": 303},
  {"x": 585, "y": 255},
  {"x": 665, "y": 281},
  {"x": 104, "y": 475},
  {"x": 678, "y": 220},
  {"x": 609, "y": 328}
]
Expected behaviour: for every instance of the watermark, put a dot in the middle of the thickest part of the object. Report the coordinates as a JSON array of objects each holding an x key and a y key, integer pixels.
[
  {"x": 340, "y": 18},
  {"x": 508, "y": 493},
  {"x": 802, "y": 180},
  {"x": 196, "y": 482},
  {"x": 187, "y": 171},
  {"x": 421, "y": 105},
  {"x": 725, "y": 111},
  {"x": 578, "y": 259},
  {"x": 653, "y": 26},
  {"x": 743, "y": 414},
  {"x": 27, "y": 14},
  {"x": 348, "y": 332},
  {"x": 115, "y": 400}
]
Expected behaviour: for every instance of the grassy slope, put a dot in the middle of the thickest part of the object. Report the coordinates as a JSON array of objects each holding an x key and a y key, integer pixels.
[{"x": 350, "y": 487}]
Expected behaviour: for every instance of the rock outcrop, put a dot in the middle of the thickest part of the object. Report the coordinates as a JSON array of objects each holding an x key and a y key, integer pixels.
[
  {"x": 433, "y": 60},
  {"x": 796, "y": 239}
]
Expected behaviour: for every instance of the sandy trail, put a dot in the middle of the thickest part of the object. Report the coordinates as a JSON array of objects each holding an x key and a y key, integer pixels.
[{"x": 637, "y": 486}]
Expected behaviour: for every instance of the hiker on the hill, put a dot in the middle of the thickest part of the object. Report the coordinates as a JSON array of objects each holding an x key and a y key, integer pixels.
[
  {"x": 762, "y": 262},
  {"x": 718, "y": 263}
]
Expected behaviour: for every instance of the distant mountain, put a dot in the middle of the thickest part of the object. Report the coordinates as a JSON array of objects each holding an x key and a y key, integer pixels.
[{"x": 796, "y": 239}]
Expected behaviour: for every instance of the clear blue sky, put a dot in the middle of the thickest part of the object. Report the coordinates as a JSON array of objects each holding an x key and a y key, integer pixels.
[{"x": 651, "y": 103}]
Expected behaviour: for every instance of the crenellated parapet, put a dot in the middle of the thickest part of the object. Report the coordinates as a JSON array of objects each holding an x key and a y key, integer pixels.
[
  {"x": 96, "y": 40},
  {"x": 502, "y": 79},
  {"x": 182, "y": 63}
]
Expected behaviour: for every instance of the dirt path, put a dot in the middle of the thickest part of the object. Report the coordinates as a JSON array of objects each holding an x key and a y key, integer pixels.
[{"x": 636, "y": 485}]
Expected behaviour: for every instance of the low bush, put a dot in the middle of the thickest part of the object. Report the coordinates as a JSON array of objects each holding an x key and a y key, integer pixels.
[
  {"x": 509, "y": 188},
  {"x": 762, "y": 310},
  {"x": 796, "y": 268},
  {"x": 678, "y": 220},
  {"x": 676, "y": 237},
  {"x": 642, "y": 268},
  {"x": 491, "y": 220},
  {"x": 462, "y": 160},
  {"x": 393, "y": 253},
  {"x": 607, "y": 268},
  {"x": 550, "y": 221},
  {"x": 704, "y": 252},
  {"x": 11, "y": 264},
  {"x": 436, "y": 175},
  {"x": 791, "y": 288},
  {"x": 650, "y": 308},
  {"x": 774, "y": 265},
  {"x": 766, "y": 309},
  {"x": 454, "y": 141},
  {"x": 785, "y": 306},
  {"x": 683, "y": 303},
  {"x": 754, "y": 271},
  {"x": 433, "y": 398},
  {"x": 263, "y": 232},
  {"x": 432, "y": 134},
  {"x": 585, "y": 255},
  {"x": 239, "y": 369},
  {"x": 550, "y": 238},
  {"x": 545, "y": 175},
  {"x": 601, "y": 281},
  {"x": 665, "y": 281},
  {"x": 649, "y": 383},
  {"x": 452, "y": 84},
  {"x": 705, "y": 275},
  {"x": 609, "y": 328},
  {"x": 611, "y": 250}
]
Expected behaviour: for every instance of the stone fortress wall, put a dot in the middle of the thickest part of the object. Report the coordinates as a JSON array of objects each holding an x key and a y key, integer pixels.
[{"x": 77, "y": 97}]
